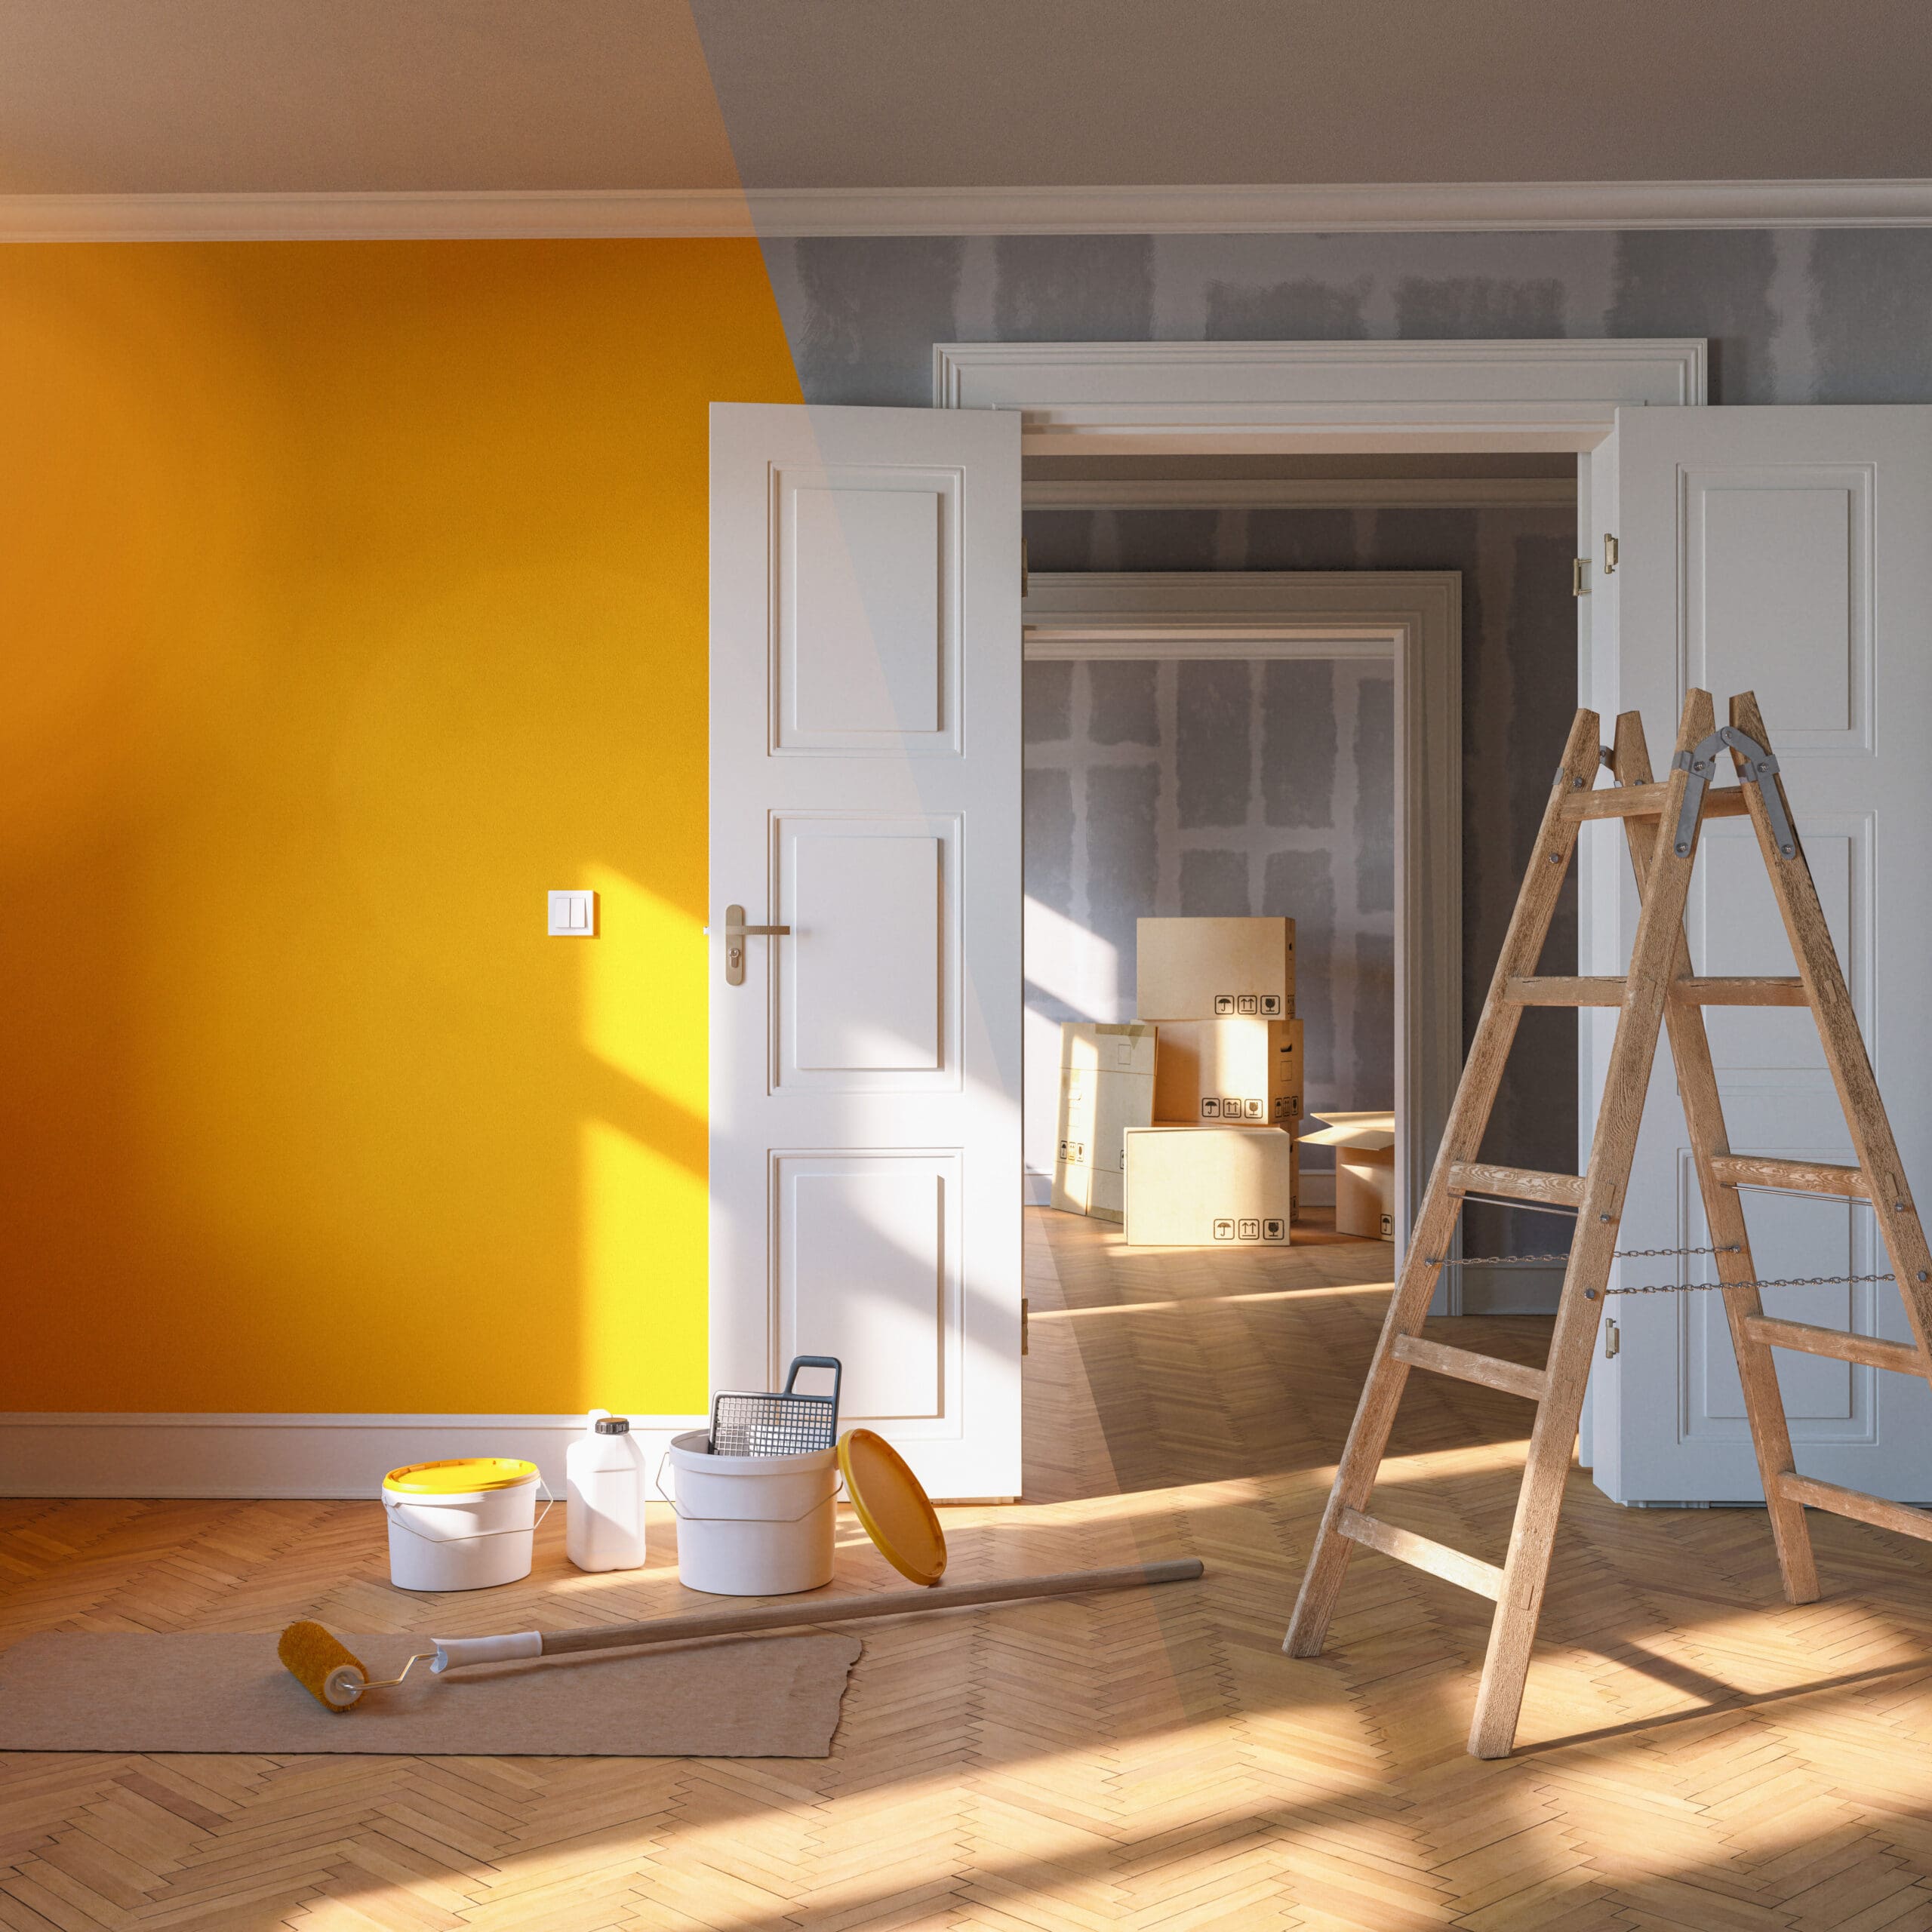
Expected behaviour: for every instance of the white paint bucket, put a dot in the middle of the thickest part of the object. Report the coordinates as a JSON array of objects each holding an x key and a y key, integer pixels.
[
  {"x": 463, "y": 1524},
  {"x": 751, "y": 1526}
]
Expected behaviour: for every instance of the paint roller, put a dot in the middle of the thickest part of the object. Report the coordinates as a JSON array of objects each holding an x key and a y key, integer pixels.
[{"x": 338, "y": 1679}]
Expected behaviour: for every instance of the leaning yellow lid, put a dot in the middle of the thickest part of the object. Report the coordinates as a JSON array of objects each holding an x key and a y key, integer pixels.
[
  {"x": 459, "y": 1475},
  {"x": 893, "y": 1506}
]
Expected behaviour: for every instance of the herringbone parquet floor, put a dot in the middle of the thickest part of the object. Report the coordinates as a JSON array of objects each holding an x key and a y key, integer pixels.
[{"x": 1696, "y": 1754}]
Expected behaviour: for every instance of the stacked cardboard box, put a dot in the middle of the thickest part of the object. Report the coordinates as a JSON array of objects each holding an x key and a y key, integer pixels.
[
  {"x": 1364, "y": 1145},
  {"x": 1106, "y": 1086},
  {"x": 1219, "y": 1161}
]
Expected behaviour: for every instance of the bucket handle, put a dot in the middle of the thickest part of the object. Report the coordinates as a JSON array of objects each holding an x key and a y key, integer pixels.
[
  {"x": 685, "y": 1516},
  {"x": 549, "y": 1502}
]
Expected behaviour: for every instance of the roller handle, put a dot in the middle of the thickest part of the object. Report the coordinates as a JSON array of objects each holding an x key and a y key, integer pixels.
[{"x": 850, "y": 1609}]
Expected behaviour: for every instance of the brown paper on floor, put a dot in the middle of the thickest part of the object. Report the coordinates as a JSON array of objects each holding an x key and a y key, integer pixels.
[{"x": 206, "y": 1691}]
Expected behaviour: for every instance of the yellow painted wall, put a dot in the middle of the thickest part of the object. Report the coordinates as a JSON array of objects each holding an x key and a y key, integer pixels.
[{"x": 351, "y": 595}]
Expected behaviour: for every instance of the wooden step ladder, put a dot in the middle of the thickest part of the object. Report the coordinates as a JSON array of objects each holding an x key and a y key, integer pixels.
[{"x": 1661, "y": 822}]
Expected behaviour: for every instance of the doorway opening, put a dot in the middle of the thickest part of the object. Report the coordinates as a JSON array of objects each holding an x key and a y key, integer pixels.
[{"x": 1211, "y": 726}]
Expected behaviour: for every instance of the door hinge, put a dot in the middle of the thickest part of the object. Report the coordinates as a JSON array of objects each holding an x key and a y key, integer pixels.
[
  {"x": 1579, "y": 572},
  {"x": 1612, "y": 1341},
  {"x": 1609, "y": 554},
  {"x": 1022, "y": 1324}
]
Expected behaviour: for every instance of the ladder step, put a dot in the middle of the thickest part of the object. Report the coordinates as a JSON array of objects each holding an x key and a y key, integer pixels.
[
  {"x": 1801, "y": 1177},
  {"x": 1646, "y": 801},
  {"x": 1779, "y": 990},
  {"x": 1513, "y": 1378},
  {"x": 1539, "y": 990},
  {"x": 1856, "y": 1504},
  {"x": 1835, "y": 1343},
  {"x": 1438, "y": 1558},
  {"x": 1516, "y": 1183}
]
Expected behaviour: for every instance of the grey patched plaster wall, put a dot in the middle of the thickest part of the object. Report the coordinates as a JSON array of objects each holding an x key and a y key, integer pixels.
[
  {"x": 1792, "y": 315},
  {"x": 1212, "y": 788}
]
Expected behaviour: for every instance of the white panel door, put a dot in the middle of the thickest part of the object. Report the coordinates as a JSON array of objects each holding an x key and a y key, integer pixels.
[
  {"x": 1787, "y": 552},
  {"x": 865, "y": 794}
]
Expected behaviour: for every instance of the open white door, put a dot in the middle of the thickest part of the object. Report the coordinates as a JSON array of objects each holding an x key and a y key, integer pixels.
[
  {"x": 865, "y": 794},
  {"x": 1787, "y": 552}
]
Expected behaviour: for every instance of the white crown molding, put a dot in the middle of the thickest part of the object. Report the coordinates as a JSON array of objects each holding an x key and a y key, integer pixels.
[
  {"x": 784, "y": 213},
  {"x": 69, "y": 1453},
  {"x": 1499, "y": 493}
]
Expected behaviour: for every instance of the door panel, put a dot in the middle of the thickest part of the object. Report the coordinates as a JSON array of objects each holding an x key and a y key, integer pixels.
[
  {"x": 865, "y": 1156},
  {"x": 868, "y": 581},
  {"x": 868, "y": 1272},
  {"x": 1782, "y": 551},
  {"x": 868, "y": 984}
]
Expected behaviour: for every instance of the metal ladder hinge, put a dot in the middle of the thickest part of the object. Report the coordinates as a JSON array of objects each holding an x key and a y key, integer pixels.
[
  {"x": 1579, "y": 578},
  {"x": 1609, "y": 555},
  {"x": 1755, "y": 765}
]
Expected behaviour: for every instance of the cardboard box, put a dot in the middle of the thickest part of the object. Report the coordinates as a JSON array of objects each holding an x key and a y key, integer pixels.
[
  {"x": 1364, "y": 1145},
  {"x": 1106, "y": 1086},
  {"x": 1208, "y": 969},
  {"x": 1229, "y": 1069},
  {"x": 1210, "y": 1186}
]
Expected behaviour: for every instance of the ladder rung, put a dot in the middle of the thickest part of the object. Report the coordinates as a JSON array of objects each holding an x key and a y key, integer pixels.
[
  {"x": 1646, "y": 801},
  {"x": 1780, "y": 990},
  {"x": 1801, "y": 1177},
  {"x": 1513, "y": 1378},
  {"x": 1856, "y": 1504},
  {"x": 1541, "y": 990},
  {"x": 1438, "y": 1558},
  {"x": 1835, "y": 1343},
  {"x": 1516, "y": 1183}
]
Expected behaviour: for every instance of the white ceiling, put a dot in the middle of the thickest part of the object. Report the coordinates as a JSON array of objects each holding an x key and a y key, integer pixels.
[{"x": 291, "y": 96}]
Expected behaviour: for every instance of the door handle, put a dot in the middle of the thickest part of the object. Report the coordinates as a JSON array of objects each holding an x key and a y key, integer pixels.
[{"x": 736, "y": 933}]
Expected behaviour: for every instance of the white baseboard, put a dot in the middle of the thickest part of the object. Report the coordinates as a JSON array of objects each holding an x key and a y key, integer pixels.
[{"x": 64, "y": 1454}]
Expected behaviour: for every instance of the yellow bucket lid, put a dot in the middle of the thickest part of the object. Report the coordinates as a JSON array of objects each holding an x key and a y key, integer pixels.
[
  {"x": 459, "y": 1475},
  {"x": 893, "y": 1506}
]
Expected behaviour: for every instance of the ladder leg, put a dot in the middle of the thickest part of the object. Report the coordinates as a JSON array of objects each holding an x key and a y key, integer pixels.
[
  {"x": 1462, "y": 1141},
  {"x": 1723, "y": 1213},
  {"x": 1874, "y": 1146},
  {"x": 1647, "y": 987}
]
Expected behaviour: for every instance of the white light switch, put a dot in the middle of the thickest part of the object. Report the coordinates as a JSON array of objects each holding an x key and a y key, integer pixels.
[{"x": 573, "y": 915}]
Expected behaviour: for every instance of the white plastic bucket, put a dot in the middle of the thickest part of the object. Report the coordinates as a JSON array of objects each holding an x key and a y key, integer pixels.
[
  {"x": 751, "y": 1526},
  {"x": 443, "y": 1537}
]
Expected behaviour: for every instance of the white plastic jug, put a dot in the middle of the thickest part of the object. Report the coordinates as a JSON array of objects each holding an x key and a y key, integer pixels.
[{"x": 604, "y": 1526}]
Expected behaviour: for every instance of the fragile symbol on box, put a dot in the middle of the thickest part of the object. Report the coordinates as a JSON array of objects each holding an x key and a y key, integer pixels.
[
  {"x": 1274, "y": 1231},
  {"x": 1271, "y": 1006}
]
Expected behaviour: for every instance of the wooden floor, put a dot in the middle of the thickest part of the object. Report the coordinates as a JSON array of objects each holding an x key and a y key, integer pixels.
[{"x": 1696, "y": 1754}]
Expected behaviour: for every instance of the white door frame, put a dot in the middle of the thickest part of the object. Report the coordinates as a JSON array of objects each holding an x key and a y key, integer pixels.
[
  {"x": 1412, "y": 619},
  {"x": 1324, "y": 397}
]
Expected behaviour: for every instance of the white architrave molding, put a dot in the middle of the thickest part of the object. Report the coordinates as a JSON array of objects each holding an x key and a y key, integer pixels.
[
  {"x": 781, "y": 213},
  {"x": 1256, "y": 492},
  {"x": 1132, "y": 398},
  {"x": 254, "y": 1456},
  {"x": 1413, "y": 618}
]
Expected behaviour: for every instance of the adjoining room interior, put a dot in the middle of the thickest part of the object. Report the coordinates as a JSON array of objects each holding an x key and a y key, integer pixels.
[{"x": 1250, "y": 785}]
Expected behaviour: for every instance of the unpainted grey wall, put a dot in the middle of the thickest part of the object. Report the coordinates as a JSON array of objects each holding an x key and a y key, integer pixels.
[{"x": 1792, "y": 315}]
